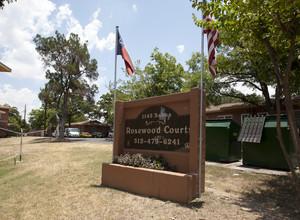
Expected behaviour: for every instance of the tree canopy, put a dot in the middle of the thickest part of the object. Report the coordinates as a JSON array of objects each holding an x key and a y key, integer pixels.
[
  {"x": 192, "y": 78},
  {"x": 3, "y": 1},
  {"x": 15, "y": 120},
  {"x": 70, "y": 73},
  {"x": 264, "y": 28},
  {"x": 162, "y": 76}
]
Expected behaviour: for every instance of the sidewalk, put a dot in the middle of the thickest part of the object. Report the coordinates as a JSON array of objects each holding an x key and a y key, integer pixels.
[{"x": 251, "y": 169}]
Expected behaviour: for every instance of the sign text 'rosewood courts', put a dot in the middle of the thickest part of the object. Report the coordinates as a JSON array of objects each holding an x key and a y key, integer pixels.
[{"x": 158, "y": 128}]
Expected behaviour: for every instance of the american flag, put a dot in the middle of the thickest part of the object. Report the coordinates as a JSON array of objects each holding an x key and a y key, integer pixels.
[
  {"x": 212, "y": 41},
  {"x": 121, "y": 50}
]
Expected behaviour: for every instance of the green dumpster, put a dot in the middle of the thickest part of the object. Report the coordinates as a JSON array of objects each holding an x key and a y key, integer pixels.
[
  {"x": 221, "y": 141},
  {"x": 268, "y": 153}
]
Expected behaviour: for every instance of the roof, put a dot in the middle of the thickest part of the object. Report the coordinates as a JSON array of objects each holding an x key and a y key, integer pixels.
[
  {"x": 227, "y": 106},
  {"x": 4, "y": 68},
  {"x": 92, "y": 122},
  {"x": 239, "y": 105},
  {"x": 5, "y": 108}
]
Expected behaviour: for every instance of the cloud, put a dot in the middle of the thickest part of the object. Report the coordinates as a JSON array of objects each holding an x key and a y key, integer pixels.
[
  {"x": 246, "y": 90},
  {"x": 107, "y": 43},
  {"x": 101, "y": 81},
  {"x": 180, "y": 48},
  {"x": 134, "y": 7},
  {"x": 19, "y": 98},
  {"x": 88, "y": 33},
  {"x": 65, "y": 19},
  {"x": 24, "y": 62},
  {"x": 17, "y": 33},
  {"x": 19, "y": 24},
  {"x": 18, "y": 50}
]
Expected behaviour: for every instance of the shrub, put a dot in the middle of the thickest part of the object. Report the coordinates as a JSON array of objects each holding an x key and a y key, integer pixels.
[{"x": 137, "y": 160}]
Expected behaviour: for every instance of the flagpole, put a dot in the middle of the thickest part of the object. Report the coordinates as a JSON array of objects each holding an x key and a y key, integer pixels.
[
  {"x": 115, "y": 83},
  {"x": 201, "y": 109}
]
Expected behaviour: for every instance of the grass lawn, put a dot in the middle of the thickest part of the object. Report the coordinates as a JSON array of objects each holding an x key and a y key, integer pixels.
[{"x": 63, "y": 181}]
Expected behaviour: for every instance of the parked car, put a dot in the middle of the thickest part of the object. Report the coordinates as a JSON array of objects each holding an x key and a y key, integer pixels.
[
  {"x": 111, "y": 133},
  {"x": 85, "y": 135},
  {"x": 97, "y": 134},
  {"x": 72, "y": 132}
]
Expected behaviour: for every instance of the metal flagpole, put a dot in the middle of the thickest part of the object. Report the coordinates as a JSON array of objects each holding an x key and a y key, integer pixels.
[
  {"x": 115, "y": 83},
  {"x": 201, "y": 109}
]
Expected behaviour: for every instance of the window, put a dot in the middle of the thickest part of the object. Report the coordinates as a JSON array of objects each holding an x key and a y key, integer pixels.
[
  {"x": 263, "y": 113},
  {"x": 224, "y": 117}
]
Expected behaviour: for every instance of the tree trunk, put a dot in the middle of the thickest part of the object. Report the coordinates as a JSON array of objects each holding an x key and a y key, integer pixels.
[
  {"x": 285, "y": 153},
  {"x": 268, "y": 101},
  {"x": 64, "y": 114},
  {"x": 57, "y": 124},
  {"x": 292, "y": 120},
  {"x": 283, "y": 79},
  {"x": 45, "y": 119}
]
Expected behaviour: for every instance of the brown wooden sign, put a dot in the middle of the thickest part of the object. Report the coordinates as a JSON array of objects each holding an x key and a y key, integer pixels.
[{"x": 158, "y": 128}]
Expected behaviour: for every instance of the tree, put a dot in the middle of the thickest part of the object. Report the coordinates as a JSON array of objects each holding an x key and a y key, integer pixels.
[
  {"x": 69, "y": 68},
  {"x": 192, "y": 78},
  {"x": 240, "y": 62},
  {"x": 81, "y": 102},
  {"x": 15, "y": 120},
  {"x": 164, "y": 75},
  {"x": 161, "y": 77},
  {"x": 8, "y": 2},
  {"x": 273, "y": 27},
  {"x": 37, "y": 117},
  {"x": 105, "y": 108}
]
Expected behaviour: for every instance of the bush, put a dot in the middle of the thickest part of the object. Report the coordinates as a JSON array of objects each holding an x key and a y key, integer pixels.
[{"x": 137, "y": 160}]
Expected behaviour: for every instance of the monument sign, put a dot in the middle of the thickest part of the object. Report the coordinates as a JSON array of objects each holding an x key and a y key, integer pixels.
[
  {"x": 158, "y": 128},
  {"x": 167, "y": 126}
]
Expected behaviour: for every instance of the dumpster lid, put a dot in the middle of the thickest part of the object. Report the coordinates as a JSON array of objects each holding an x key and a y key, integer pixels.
[
  {"x": 252, "y": 128},
  {"x": 219, "y": 123},
  {"x": 271, "y": 122}
]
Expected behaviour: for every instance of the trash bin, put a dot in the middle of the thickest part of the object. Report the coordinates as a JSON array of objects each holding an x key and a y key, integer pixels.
[
  {"x": 221, "y": 141},
  {"x": 268, "y": 153}
]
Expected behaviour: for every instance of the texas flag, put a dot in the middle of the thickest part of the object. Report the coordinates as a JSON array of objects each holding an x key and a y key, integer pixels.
[{"x": 121, "y": 50}]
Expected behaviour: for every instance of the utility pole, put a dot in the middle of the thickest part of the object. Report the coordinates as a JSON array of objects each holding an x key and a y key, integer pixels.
[{"x": 25, "y": 117}]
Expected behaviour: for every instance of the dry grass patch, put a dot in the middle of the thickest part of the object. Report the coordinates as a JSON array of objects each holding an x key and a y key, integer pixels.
[{"x": 63, "y": 181}]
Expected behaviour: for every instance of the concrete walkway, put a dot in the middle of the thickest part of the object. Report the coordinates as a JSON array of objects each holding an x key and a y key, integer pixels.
[{"x": 251, "y": 169}]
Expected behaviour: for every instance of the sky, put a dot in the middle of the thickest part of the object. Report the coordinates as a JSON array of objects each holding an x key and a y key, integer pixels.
[{"x": 143, "y": 25}]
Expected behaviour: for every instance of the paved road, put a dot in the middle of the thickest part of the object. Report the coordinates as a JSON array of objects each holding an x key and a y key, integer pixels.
[{"x": 91, "y": 140}]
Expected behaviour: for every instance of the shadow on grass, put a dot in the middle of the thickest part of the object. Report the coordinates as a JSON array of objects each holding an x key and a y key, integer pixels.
[
  {"x": 97, "y": 186},
  {"x": 275, "y": 199},
  {"x": 40, "y": 140},
  {"x": 195, "y": 204}
]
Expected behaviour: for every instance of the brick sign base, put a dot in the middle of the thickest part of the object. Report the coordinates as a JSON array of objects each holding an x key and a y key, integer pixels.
[
  {"x": 166, "y": 185},
  {"x": 159, "y": 138}
]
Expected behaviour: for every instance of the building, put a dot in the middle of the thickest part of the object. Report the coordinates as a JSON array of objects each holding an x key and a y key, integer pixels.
[
  {"x": 91, "y": 126},
  {"x": 237, "y": 111},
  {"x": 4, "y": 68},
  {"x": 4, "y": 110}
]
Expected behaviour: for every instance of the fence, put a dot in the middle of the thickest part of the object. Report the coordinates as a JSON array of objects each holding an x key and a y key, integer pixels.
[{"x": 6, "y": 150}]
